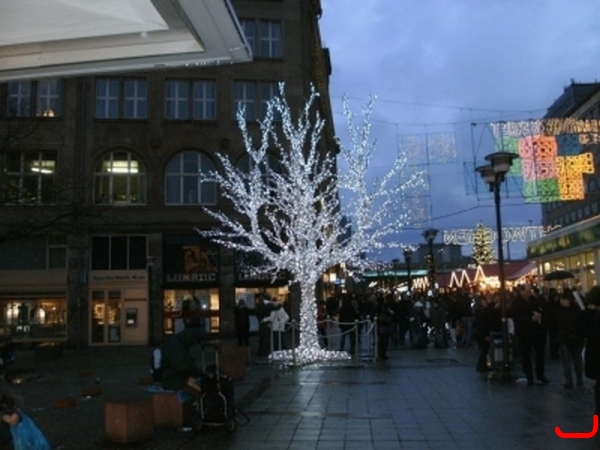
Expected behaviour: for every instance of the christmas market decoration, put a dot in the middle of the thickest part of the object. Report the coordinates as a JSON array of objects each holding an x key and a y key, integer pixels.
[
  {"x": 554, "y": 155},
  {"x": 293, "y": 216},
  {"x": 482, "y": 245}
]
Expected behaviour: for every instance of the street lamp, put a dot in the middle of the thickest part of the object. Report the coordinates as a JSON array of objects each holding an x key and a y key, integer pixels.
[
  {"x": 395, "y": 262},
  {"x": 493, "y": 174},
  {"x": 429, "y": 234},
  {"x": 407, "y": 256}
]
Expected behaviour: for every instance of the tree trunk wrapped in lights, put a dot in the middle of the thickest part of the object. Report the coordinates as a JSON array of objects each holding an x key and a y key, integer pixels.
[{"x": 292, "y": 214}]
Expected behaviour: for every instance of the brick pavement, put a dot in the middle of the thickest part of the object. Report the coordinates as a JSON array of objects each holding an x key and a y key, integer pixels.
[{"x": 418, "y": 399}]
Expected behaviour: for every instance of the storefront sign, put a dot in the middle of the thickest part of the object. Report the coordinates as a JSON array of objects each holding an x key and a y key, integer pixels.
[
  {"x": 190, "y": 277},
  {"x": 115, "y": 276}
]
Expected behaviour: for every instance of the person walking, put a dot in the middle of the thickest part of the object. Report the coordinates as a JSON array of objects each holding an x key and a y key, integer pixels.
[
  {"x": 348, "y": 315},
  {"x": 322, "y": 322},
  {"x": 278, "y": 318},
  {"x": 569, "y": 335},
  {"x": 487, "y": 319},
  {"x": 385, "y": 320},
  {"x": 591, "y": 321},
  {"x": 242, "y": 323},
  {"x": 527, "y": 315},
  {"x": 263, "y": 310},
  {"x": 24, "y": 432}
]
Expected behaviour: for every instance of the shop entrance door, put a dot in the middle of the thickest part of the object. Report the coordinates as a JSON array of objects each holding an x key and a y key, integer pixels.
[{"x": 105, "y": 316}]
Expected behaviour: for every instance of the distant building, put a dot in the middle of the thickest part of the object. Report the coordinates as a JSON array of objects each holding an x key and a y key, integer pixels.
[
  {"x": 574, "y": 246},
  {"x": 447, "y": 256}
]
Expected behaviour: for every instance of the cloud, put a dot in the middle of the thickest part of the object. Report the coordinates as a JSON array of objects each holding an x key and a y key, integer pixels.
[{"x": 438, "y": 65}]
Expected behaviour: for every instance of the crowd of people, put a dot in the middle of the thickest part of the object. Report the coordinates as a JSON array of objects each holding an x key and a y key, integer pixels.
[{"x": 565, "y": 325}]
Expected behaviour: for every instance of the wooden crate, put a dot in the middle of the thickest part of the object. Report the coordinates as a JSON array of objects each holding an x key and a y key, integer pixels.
[
  {"x": 129, "y": 421},
  {"x": 169, "y": 411}
]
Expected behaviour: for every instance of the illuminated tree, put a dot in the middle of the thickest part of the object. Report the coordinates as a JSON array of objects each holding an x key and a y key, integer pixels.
[
  {"x": 482, "y": 245},
  {"x": 292, "y": 215}
]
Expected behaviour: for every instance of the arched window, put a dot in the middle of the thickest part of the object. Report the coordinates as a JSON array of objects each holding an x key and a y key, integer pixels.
[
  {"x": 273, "y": 164},
  {"x": 184, "y": 184},
  {"x": 120, "y": 179}
]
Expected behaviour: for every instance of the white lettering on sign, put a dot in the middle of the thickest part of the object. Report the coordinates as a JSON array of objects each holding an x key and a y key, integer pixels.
[
  {"x": 466, "y": 236},
  {"x": 190, "y": 277}
]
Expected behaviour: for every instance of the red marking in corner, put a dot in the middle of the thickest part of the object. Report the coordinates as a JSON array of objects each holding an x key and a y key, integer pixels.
[{"x": 575, "y": 435}]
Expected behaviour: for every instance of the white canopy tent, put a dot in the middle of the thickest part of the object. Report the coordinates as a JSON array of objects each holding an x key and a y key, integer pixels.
[{"x": 50, "y": 38}]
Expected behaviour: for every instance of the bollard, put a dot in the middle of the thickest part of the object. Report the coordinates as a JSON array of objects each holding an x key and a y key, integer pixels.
[
  {"x": 293, "y": 325},
  {"x": 356, "y": 355},
  {"x": 376, "y": 334}
]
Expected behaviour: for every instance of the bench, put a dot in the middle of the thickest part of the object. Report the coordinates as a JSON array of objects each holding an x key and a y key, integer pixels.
[{"x": 129, "y": 421}]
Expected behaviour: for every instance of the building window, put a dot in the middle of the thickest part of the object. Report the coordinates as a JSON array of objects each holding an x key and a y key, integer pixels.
[
  {"x": 119, "y": 252},
  {"x": 120, "y": 180},
  {"x": 121, "y": 98},
  {"x": 39, "y": 98},
  {"x": 185, "y": 180},
  {"x": 191, "y": 98},
  {"x": 57, "y": 252},
  {"x": 273, "y": 165},
  {"x": 264, "y": 37},
  {"x": 34, "y": 253},
  {"x": 29, "y": 178},
  {"x": 248, "y": 93}
]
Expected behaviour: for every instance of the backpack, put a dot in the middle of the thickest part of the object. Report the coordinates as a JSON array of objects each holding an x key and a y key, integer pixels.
[{"x": 156, "y": 369}]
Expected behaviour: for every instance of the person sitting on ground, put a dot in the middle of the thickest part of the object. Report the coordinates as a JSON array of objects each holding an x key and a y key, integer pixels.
[
  {"x": 179, "y": 369},
  {"x": 25, "y": 434}
]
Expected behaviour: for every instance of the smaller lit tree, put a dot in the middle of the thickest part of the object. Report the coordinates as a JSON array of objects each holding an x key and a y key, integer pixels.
[{"x": 482, "y": 245}]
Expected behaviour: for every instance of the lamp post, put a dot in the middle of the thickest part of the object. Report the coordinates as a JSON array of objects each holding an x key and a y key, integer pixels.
[
  {"x": 395, "y": 263},
  {"x": 493, "y": 174},
  {"x": 407, "y": 256},
  {"x": 429, "y": 234}
]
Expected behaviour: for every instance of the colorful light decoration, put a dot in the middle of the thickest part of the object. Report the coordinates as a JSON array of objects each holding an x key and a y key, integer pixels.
[{"x": 552, "y": 154}]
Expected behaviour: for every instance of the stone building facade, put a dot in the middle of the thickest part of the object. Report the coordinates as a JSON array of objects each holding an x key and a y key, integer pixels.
[{"x": 101, "y": 187}]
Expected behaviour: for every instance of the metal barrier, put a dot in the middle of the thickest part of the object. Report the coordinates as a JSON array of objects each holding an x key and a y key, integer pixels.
[{"x": 362, "y": 332}]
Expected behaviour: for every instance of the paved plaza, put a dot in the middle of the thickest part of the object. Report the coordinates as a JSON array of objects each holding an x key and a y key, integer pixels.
[{"x": 417, "y": 399}]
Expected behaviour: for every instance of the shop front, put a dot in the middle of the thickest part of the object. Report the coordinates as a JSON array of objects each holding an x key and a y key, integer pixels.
[
  {"x": 190, "y": 283},
  {"x": 118, "y": 307},
  {"x": 33, "y": 305},
  {"x": 575, "y": 249}
]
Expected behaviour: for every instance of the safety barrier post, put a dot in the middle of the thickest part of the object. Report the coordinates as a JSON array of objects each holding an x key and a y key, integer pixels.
[
  {"x": 356, "y": 355},
  {"x": 376, "y": 334},
  {"x": 293, "y": 324}
]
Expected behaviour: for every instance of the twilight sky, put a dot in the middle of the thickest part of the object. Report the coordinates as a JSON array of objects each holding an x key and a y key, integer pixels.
[{"x": 436, "y": 67}]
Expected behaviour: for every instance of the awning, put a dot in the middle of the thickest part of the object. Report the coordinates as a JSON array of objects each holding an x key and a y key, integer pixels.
[{"x": 50, "y": 38}]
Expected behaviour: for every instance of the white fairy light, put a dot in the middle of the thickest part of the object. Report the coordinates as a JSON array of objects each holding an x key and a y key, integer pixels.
[{"x": 293, "y": 217}]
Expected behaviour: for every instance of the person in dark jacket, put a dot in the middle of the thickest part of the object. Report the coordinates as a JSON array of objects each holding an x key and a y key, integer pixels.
[
  {"x": 263, "y": 310},
  {"x": 347, "y": 317},
  {"x": 591, "y": 320},
  {"x": 488, "y": 319},
  {"x": 526, "y": 312},
  {"x": 569, "y": 335},
  {"x": 385, "y": 319},
  {"x": 242, "y": 323},
  {"x": 179, "y": 370}
]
